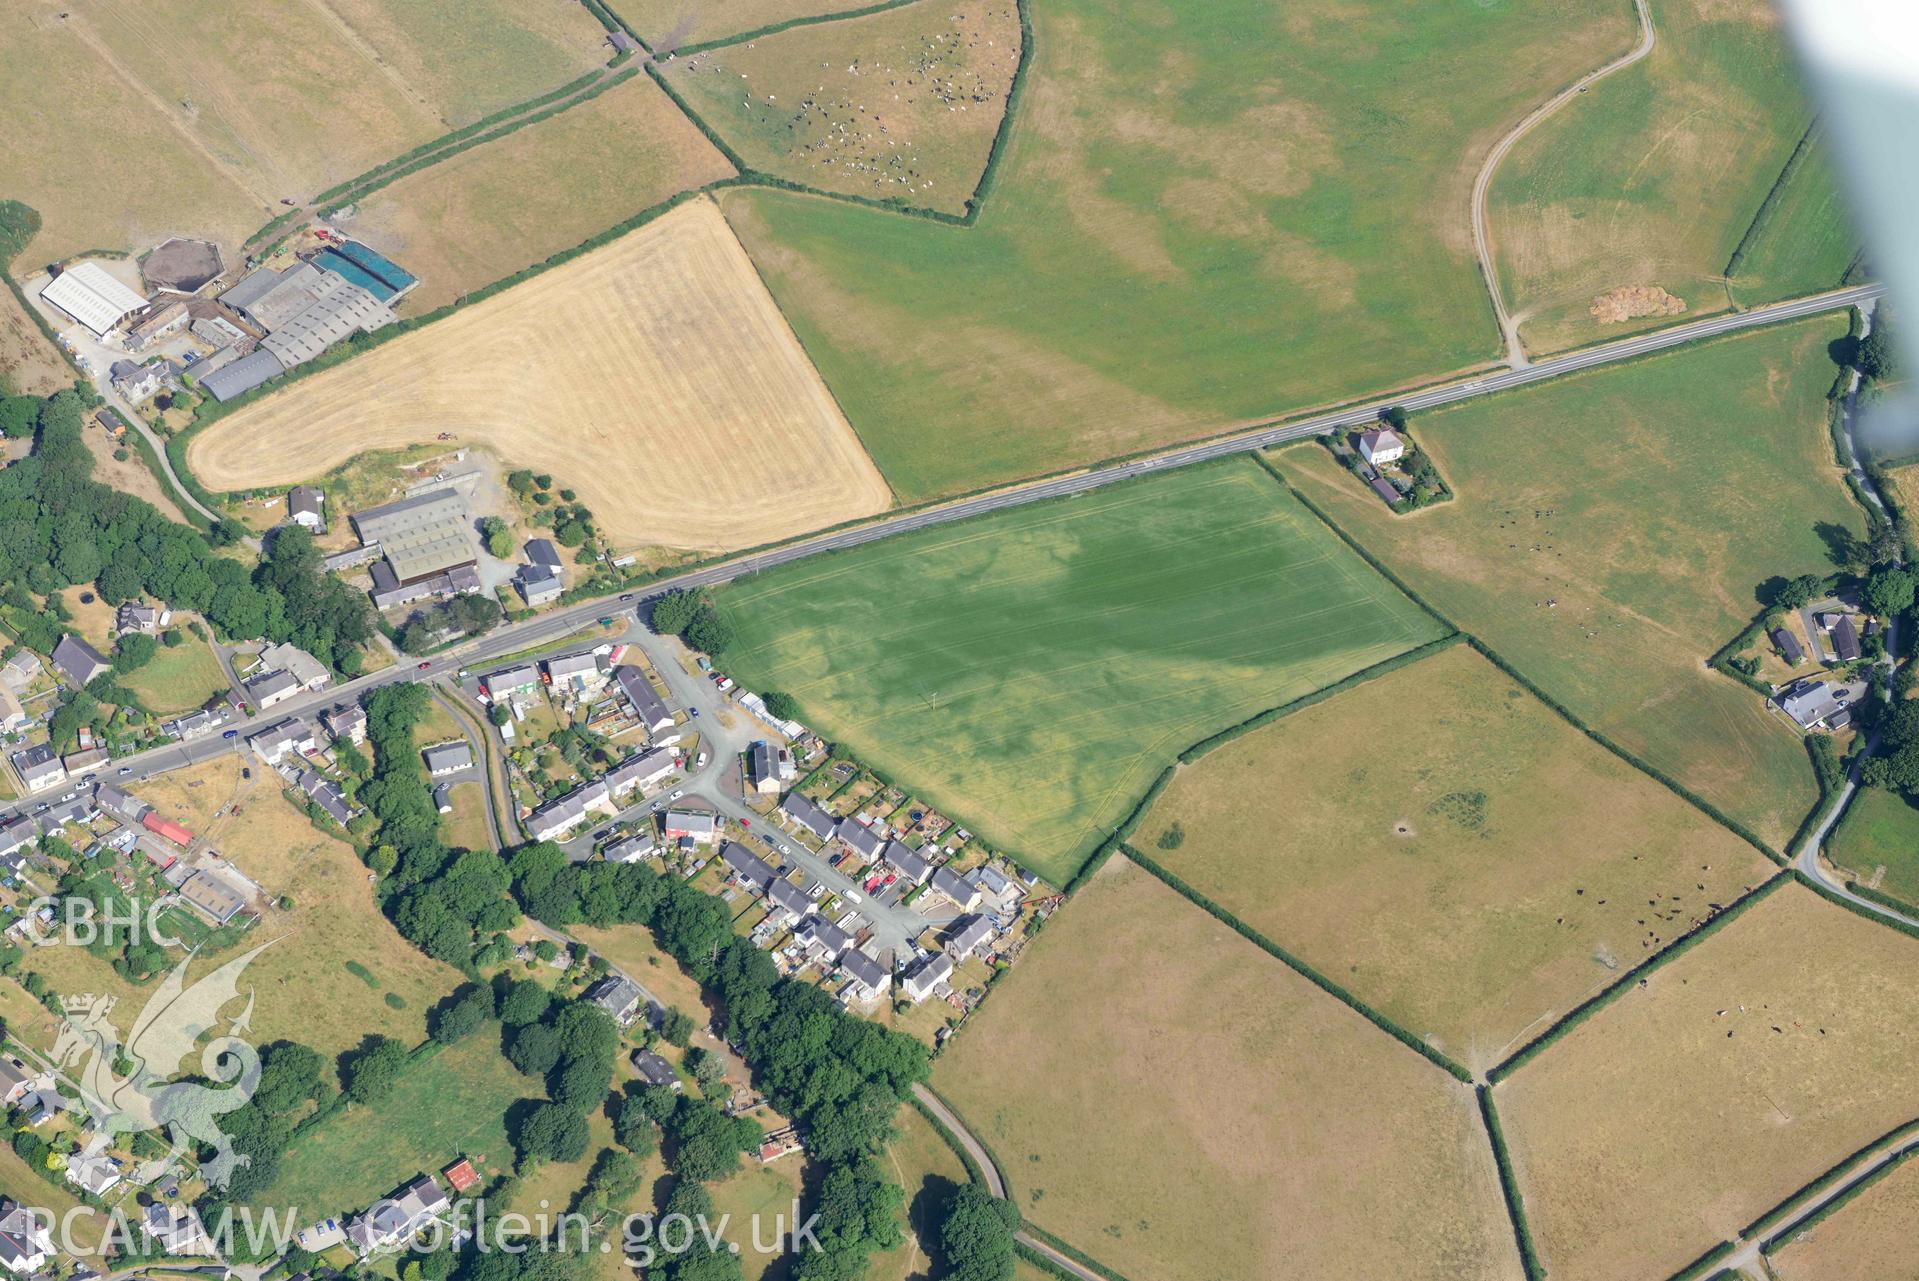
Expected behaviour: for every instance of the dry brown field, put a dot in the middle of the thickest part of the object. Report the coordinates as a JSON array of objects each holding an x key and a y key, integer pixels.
[
  {"x": 1463, "y": 860},
  {"x": 901, "y": 105},
  {"x": 1170, "y": 1099},
  {"x": 1692, "y": 1105},
  {"x": 668, "y": 24},
  {"x": 1870, "y": 1238},
  {"x": 655, "y": 376},
  {"x": 129, "y": 475},
  {"x": 208, "y": 112},
  {"x": 29, "y": 364},
  {"x": 497, "y": 208}
]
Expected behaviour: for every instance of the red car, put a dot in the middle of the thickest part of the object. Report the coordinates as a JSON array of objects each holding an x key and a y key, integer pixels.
[
  {"x": 746, "y": 822},
  {"x": 424, "y": 666}
]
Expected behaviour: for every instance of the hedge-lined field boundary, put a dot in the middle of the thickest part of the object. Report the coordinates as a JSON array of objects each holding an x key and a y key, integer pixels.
[
  {"x": 1259, "y": 720},
  {"x": 973, "y": 1170},
  {"x": 1890, "y": 902},
  {"x": 1298, "y": 966},
  {"x": 1072, "y": 1252},
  {"x": 1763, "y": 214},
  {"x": 1709, "y": 1261},
  {"x": 1837, "y": 1203},
  {"x": 1857, "y": 909},
  {"x": 1509, "y": 1186},
  {"x": 561, "y": 102},
  {"x": 1764, "y": 1225},
  {"x": 1612, "y": 991}
]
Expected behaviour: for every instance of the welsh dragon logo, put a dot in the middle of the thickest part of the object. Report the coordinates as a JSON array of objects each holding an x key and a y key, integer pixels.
[{"x": 175, "y": 1021}]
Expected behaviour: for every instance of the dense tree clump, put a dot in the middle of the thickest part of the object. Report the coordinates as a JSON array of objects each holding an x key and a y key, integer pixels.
[
  {"x": 692, "y": 616},
  {"x": 976, "y": 1235}
]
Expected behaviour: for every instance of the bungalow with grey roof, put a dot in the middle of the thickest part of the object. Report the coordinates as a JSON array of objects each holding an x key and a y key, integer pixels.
[
  {"x": 964, "y": 893},
  {"x": 137, "y": 616},
  {"x": 576, "y": 674},
  {"x": 26, "y": 1245},
  {"x": 787, "y": 901},
  {"x": 808, "y": 815},
  {"x": 448, "y": 758},
  {"x": 78, "y": 661},
  {"x": 646, "y": 702},
  {"x": 656, "y": 1071},
  {"x": 523, "y": 679},
  {"x": 752, "y": 871},
  {"x": 345, "y": 721},
  {"x": 643, "y": 770},
  {"x": 271, "y": 688},
  {"x": 276, "y": 741},
  {"x": 17, "y": 833},
  {"x": 618, "y": 996},
  {"x": 538, "y": 586},
  {"x": 907, "y": 862},
  {"x": 970, "y": 935},
  {"x": 556, "y": 818},
  {"x": 926, "y": 976},
  {"x": 325, "y": 793},
  {"x": 632, "y": 849},
  {"x": 867, "y": 979},
  {"x": 195, "y": 724},
  {"x": 863, "y": 841},
  {"x": 821, "y": 939}
]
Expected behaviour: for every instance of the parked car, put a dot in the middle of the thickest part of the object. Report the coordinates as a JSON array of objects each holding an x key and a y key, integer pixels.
[
  {"x": 675, "y": 794},
  {"x": 246, "y": 772},
  {"x": 232, "y": 733}
]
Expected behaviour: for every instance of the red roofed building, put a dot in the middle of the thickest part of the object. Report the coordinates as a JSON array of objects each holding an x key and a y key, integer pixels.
[
  {"x": 168, "y": 828},
  {"x": 462, "y": 1175}
]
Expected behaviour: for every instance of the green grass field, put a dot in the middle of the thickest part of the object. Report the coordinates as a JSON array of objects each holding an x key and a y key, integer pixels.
[
  {"x": 1030, "y": 672},
  {"x": 1880, "y": 830},
  {"x": 180, "y": 678},
  {"x": 901, "y": 105},
  {"x": 1652, "y": 177},
  {"x": 1612, "y": 530},
  {"x": 1461, "y": 858},
  {"x": 1207, "y": 213},
  {"x": 447, "y": 1105}
]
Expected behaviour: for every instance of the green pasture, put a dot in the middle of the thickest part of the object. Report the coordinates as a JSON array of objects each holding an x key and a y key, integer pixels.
[
  {"x": 1613, "y": 529},
  {"x": 179, "y": 678},
  {"x": 1206, "y": 213},
  {"x": 1030, "y": 672},
  {"x": 1881, "y": 829}
]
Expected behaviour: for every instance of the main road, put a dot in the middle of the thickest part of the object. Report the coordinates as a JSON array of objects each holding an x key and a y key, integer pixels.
[{"x": 556, "y": 626}]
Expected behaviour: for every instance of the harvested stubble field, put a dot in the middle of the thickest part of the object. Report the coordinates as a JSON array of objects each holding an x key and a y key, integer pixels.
[
  {"x": 1031, "y": 671},
  {"x": 1205, "y": 214},
  {"x": 655, "y": 376},
  {"x": 1613, "y": 529},
  {"x": 505, "y": 205},
  {"x": 1691, "y": 1105},
  {"x": 1180, "y": 1105},
  {"x": 1650, "y": 179},
  {"x": 1878, "y": 841},
  {"x": 1464, "y": 861},
  {"x": 901, "y": 105},
  {"x": 207, "y": 115},
  {"x": 1869, "y": 1238}
]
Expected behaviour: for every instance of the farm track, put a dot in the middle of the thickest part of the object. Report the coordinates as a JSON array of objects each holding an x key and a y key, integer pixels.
[{"x": 1482, "y": 183}]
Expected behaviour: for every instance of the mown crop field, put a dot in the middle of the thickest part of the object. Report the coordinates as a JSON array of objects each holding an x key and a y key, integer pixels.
[
  {"x": 1031, "y": 671},
  {"x": 1868, "y": 1239},
  {"x": 1180, "y": 1105},
  {"x": 1878, "y": 841},
  {"x": 504, "y": 205},
  {"x": 901, "y": 105},
  {"x": 653, "y": 375},
  {"x": 1205, "y": 214},
  {"x": 207, "y": 116},
  {"x": 446, "y": 1105},
  {"x": 1454, "y": 852},
  {"x": 1613, "y": 529},
  {"x": 1695, "y": 1103},
  {"x": 1650, "y": 179}
]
